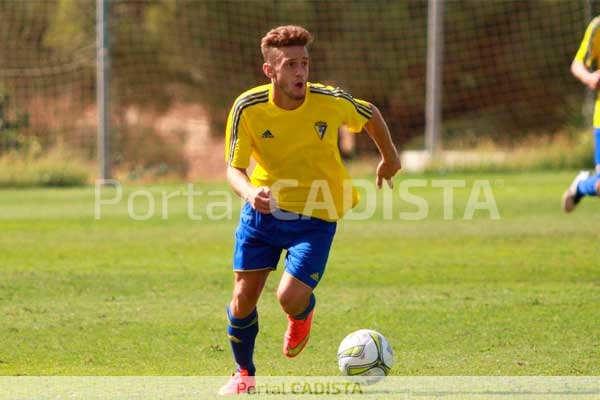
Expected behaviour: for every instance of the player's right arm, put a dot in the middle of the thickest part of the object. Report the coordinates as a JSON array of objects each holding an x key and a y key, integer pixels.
[
  {"x": 237, "y": 155},
  {"x": 258, "y": 197},
  {"x": 584, "y": 65},
  {"x": 591, "y": 79}
]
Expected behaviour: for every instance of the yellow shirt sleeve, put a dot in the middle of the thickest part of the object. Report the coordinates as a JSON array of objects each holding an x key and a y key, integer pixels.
[
  {"x": 359, "y": 116},
  {"x": 238, "y": 145}
]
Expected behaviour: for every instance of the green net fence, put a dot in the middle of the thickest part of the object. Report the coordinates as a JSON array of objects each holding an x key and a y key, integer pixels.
[{"x": 176, "y": 67}]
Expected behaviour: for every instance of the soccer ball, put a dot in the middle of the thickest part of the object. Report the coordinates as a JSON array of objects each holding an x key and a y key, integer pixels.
[{"x": 365, "y": 356}]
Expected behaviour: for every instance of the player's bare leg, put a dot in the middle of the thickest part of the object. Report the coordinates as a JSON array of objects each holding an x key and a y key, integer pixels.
[
  {"x": 297, "y": 300},
  {"x": 247, "y": 287}
]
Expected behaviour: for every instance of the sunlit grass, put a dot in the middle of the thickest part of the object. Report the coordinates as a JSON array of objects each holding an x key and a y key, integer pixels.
[{"x": 119, "y": 296}]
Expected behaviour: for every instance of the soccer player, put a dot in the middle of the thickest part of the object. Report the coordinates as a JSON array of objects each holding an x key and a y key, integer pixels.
[
  {"x": 295, "y": 193},
  {"x": 585, "y": 68}
]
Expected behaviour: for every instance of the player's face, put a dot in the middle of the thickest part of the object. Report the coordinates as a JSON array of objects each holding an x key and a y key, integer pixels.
[{"x": 289, "y": 75}]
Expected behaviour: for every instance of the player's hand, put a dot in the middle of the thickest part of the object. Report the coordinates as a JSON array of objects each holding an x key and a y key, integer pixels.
[
  {"x": 261, "y": 200},
  {"x": 386, "y": 170},
  {"x": 593, "y": 82}
]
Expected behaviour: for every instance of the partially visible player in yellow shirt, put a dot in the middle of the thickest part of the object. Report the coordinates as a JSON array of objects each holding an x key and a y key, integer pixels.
[
  {"x": 584, "y": 67},
  {"x": 296, "y": 192},
  {"x": 586, "y": 62}
]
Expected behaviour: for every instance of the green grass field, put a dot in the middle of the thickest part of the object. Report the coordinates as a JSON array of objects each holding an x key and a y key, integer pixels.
[{"x": 117, "y": 296}]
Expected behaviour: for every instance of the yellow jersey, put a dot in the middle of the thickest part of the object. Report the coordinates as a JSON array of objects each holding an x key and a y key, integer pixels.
[
  {"x": 589, "y": 54},
  {"x": 296, "y": 151}
]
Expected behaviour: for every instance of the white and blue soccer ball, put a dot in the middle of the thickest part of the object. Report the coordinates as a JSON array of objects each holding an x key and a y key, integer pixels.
[{"x": 365, "y": 356}]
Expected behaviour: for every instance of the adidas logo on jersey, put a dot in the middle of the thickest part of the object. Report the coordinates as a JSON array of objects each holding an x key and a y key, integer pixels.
[{"x": 267, "y": 135}]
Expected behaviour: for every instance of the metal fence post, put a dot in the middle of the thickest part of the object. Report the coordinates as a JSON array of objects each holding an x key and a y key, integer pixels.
[
  {"x": 102, "y": 89},
  {"x": 433, "y": 96}
]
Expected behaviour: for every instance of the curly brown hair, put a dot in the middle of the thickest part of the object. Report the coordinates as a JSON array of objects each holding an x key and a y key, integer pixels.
[{"x": 284, "y": 36}]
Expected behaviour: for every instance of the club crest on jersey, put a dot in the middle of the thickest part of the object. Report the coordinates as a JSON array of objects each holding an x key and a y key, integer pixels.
[{"x": 321, "y": 128}]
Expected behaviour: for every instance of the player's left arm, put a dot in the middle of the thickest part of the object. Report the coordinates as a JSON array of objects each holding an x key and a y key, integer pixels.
[{"x": 377, "y": 129}]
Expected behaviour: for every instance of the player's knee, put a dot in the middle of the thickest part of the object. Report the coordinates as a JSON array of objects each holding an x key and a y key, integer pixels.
[
  {"x": 286, "y": 300},
  {"x": 243, "y": 303},
  {"x": 292, "y": 303}
]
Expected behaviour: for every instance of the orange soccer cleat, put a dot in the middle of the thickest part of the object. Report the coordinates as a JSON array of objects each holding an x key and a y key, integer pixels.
[{"x": 297, "y": 335}]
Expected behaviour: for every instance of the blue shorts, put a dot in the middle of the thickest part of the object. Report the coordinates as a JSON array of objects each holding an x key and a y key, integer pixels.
[
  {"x": 597, "y": 145},
  {"x": 260, "y": 239}
]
